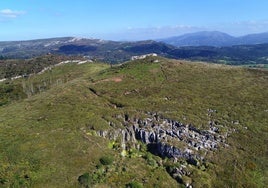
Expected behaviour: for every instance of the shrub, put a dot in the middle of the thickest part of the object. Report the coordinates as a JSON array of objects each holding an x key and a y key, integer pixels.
[
  {"x": 134, "y": 184},
  {"x": 106, "y": 160},
  {"x": 85, "y": 180},
  {"x": 150, "y": 160}
]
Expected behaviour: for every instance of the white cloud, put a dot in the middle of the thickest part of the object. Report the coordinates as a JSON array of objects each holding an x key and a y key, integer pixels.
[{"x": 8, "y": 13}]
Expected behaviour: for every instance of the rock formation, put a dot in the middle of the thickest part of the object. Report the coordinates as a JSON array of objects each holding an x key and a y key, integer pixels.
[{"x": 168, "y": 138}]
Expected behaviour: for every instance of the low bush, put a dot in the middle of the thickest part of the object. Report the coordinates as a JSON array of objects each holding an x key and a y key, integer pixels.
[
  {"x": 106, "y": 160},
  {"x": 134, "y": 185},
  {"x": 85, "y": 180}
]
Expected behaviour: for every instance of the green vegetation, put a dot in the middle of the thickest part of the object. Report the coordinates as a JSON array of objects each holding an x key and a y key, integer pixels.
[
  {"x": 84, "y": 180},
  {"x": 10, "y": 92},
  {"x": 134, "y": 185},
  {"x": 231, "y": 55},
  {"x": 24, "y": 67},
  {"x": 106, "y": 160},
  {"x": 48, "y": 124}
]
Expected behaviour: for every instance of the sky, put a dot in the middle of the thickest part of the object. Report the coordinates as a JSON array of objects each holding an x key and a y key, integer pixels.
[{"x": 129, "y": 19}]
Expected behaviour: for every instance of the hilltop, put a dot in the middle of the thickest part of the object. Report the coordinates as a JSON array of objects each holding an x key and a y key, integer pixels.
[{"x": 146, "y": 123}]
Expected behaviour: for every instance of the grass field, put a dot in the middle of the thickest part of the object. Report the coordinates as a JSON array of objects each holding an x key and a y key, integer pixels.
[{"x": 46, "y": 123}]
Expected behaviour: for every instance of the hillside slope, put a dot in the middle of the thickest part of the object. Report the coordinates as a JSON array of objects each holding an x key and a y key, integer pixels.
[{"x": 68, "y": 127}]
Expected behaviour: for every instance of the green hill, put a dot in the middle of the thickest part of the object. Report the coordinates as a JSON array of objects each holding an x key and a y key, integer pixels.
[{"x": 72, "y": 126}]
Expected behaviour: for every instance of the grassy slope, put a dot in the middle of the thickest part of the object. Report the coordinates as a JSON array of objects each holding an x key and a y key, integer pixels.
[
  {"x": 46, "y": 136},
  {"x": 18, "y": 67}
]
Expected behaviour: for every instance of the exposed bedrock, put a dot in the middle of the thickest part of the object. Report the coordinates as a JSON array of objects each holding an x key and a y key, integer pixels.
[{"x": 168, "y": 138}]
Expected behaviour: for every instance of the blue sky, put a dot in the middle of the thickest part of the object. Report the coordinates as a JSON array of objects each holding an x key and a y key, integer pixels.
[{"x": 128, "y": 19}]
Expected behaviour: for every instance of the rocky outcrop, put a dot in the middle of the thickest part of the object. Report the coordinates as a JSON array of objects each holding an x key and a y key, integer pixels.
[
  {"x": 143, "y": 56},
  {"x": 168, "y": 138}
]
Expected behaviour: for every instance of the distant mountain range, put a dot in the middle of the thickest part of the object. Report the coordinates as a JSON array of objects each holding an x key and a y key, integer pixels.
[
  {"x": 214, "y": 47},
  {"x": 215, "y": 38},
  {"x": 108, "y": 51}
]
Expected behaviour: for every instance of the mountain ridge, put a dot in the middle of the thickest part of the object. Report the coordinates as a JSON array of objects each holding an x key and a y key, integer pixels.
[
  {"x": 117, "y": 52},
  {"x": 105, "y": 50},
  {"x": 215, "y": 38}
]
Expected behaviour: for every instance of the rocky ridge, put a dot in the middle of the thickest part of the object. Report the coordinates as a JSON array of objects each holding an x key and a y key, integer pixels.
[{"x": 167, "y": 137}]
